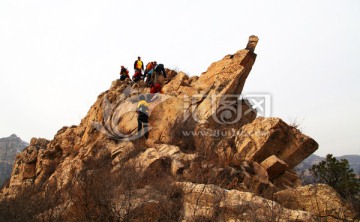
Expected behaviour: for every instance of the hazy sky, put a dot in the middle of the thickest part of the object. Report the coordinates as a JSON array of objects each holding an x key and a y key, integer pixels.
[{"x": 57, "y": 56}]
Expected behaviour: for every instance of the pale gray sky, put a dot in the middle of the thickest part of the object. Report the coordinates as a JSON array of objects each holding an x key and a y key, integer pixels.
[{"x": 57, "y": 56}]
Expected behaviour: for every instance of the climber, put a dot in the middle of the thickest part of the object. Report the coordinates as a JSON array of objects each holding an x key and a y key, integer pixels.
[
  {"x": 157, "y": 88},
  {"x": 137, "y": 76},
  {"x": 160, "y": 70},
  {"x": 124, "y": 73},
  {"x": 148, "y": 67},
  {"x": 143, "y": 116},
  {"x": 139, "y": 65},
  {"x": 149, "y": 71},
  {"x": 148, "y": 76},
  {"x": 154, "y": 90}
]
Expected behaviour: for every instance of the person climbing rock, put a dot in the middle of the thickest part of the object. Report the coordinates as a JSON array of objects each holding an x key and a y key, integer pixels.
[
  {"x": 160, "y": 70},
  {"x": 149, "y": 71},
  {"x": 124, "y": 73},
  {"x": 157, "y": 88},
  {"x": 148, "y": 67},
  {"x": 143, "y": 116},
  {"x": 149, "y": 76},
  {"x": 154, "y": 90},
  {"x": 138, "y": 65}
]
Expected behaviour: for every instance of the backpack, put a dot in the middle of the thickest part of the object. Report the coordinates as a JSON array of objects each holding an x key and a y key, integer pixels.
[
  {"x": 159, "y": 68},
  {"x": 143, "y": 110},
  {"x": 124, "y": 71}
]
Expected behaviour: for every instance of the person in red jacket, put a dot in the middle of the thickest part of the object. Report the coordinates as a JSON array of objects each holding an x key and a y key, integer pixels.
[
  {"x": 157, "y": 88},
  {"x": 137, "y": 76}
]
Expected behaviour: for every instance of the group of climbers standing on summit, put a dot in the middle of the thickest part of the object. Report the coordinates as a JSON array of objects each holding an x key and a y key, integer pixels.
[
  {"x": 150, "y": 75},
  {"x": 152, "y": 70}
]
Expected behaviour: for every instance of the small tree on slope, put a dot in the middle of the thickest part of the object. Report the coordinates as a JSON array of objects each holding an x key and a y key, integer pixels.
[{"x": 339, "y": 175}]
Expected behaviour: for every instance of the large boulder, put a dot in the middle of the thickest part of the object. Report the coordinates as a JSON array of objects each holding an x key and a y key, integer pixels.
[
  {"x": 274, "y": 166},
  {"x": 144, "y": 204},
  {"x": 320, "y": 199},
  {"x": 162, "y": 159},
  {"x": 211, "y": 203},
  {"x": 265, "y": 137}
]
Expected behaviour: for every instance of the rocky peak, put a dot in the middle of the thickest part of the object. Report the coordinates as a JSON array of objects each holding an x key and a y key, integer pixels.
[
  {"x": 207, "y": 157},
  {"x": 9, "y": 147}
]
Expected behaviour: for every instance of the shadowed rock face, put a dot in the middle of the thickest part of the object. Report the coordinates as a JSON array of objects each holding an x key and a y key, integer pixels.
[{"x": 192, "y": 143}]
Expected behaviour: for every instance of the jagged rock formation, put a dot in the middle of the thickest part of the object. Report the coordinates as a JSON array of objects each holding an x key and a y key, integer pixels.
[
  {"x": 207, "y": 157},
  {"x": 9, "y": 147}
]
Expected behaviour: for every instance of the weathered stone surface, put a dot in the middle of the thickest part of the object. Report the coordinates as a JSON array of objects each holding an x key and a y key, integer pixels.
[
  {"x": 274, "y": 166},
  {"x": 28, "y": 171},
  {"x": 121, "y": 149},
  {"x": 286, "y": 180},
  {"x": 165, "y": 118},
  {"x": 223, "y": 80},
  {"x": 210, "y": 202},
  {"x": 218, "y": 128},
  {"x": 143, "y": 204},
  {"x": 29, "y": 155},
  {"x": 170, "y": 73},
  {"x": 253, "y": 40},
  {"x": 271, "y": 136},
  {"x": 68, "y": 139},
  {"x": 163, "y": 158},
  {"x": 180, "y": 86},
  {"x": 40, "y": 143},
  {"x": 321, "y": 200}
]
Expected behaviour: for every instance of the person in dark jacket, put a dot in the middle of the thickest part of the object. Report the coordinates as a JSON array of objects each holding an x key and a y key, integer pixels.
[
  {"x": 160, "y": 70},
  {"x": 124, "y": 73}
]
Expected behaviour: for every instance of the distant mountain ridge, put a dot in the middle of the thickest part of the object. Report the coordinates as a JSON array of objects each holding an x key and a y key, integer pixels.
[
  {"x": 354, "y": 162},
  {"x": 9, "y": 147}
]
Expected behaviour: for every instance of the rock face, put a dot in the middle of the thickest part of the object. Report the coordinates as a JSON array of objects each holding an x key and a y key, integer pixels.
[
  {"x": 320, "y": 199},
  {"x": 211, "y": 203},
  {"x": 9, "y": 147},
  {"x": 27, "y": 163},
  {"x": 207, "y": 157}
]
